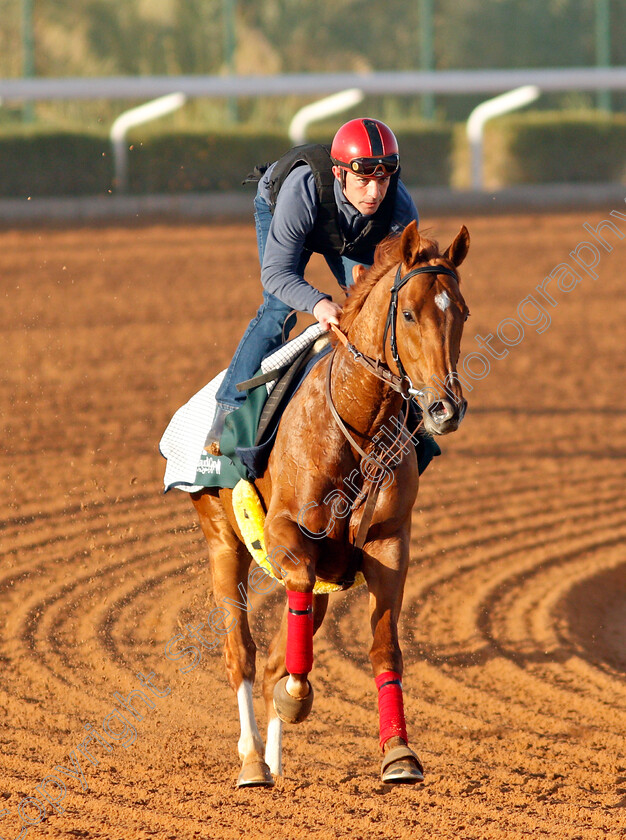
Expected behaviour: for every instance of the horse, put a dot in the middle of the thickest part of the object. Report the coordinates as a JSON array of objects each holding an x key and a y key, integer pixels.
[{"x": 400, "y": 333}]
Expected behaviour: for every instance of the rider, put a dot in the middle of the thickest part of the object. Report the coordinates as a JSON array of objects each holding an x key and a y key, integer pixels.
[{"x": 340, "y": 205}]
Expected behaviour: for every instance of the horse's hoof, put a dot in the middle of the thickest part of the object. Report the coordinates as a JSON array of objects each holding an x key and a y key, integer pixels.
[
  {"x": 255, "y": 773},
  {"x": 401, "y": 767},
  {"x": 289, "y": 709}
]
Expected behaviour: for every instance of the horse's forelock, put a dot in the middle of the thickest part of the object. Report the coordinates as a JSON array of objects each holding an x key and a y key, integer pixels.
[{"x": 386, "y": 257}]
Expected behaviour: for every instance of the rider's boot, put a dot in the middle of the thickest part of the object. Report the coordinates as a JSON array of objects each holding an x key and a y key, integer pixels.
[{"x": 212, "y": 442}]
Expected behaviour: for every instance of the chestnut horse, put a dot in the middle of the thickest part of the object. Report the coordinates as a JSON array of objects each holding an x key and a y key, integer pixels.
[{"x": 403, "y": 320}]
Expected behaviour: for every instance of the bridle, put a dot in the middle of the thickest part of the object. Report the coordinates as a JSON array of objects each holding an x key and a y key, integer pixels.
[
  {"x": 392, "y": 315},
  {"x": 402, "y": 383}
]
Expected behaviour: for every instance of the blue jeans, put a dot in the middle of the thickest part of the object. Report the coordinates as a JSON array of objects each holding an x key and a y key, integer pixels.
[{"x": 265, "y": 331}]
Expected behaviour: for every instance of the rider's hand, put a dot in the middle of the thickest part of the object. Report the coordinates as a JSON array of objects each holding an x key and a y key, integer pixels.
[{"x": 327, "y": 312}]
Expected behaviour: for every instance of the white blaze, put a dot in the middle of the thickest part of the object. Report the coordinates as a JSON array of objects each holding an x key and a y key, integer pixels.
[{"x": 442, "y": 300}]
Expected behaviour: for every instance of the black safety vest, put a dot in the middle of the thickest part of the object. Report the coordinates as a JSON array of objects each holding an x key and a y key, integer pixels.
[{"x": 326, "y": 236}]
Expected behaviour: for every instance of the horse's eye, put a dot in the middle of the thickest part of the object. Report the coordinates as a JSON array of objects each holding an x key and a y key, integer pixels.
[
  {"x": 408, "y": 315},
  {"x": 467, "y": 314}
]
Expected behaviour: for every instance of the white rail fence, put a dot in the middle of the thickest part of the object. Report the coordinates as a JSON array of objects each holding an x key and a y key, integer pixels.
[{"x": 315, "y": 84}]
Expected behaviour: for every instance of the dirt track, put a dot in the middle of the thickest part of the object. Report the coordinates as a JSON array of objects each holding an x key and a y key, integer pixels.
[{"x": 514, "y": 625}]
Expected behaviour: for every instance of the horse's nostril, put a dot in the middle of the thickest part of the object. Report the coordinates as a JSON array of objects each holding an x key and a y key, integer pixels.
[{"x": 439, "y": 411}]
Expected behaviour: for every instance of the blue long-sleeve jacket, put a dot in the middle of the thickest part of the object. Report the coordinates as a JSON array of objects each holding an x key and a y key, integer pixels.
[{"x": 294, "y": 218}]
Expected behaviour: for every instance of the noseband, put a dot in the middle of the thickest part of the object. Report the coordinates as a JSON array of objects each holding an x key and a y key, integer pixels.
[{"x": 402, "y": 383}]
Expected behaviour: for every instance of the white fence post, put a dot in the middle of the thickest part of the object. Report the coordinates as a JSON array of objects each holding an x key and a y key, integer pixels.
[
  {"x": 137, "y": 116},
  {"x": 319, "y": 110},
  {"x": 475, "y": 127}
]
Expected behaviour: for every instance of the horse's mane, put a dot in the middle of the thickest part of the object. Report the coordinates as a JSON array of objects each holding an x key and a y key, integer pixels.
[{"x": 386, "y": 257}]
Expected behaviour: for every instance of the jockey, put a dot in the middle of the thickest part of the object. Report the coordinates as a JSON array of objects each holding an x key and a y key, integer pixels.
[{"x": 340, "y": 205}]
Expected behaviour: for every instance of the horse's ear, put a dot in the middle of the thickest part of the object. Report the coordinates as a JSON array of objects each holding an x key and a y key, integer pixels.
[
  {"x": 410, "y": 244},
  {"x": 357, "y": 272},
  {"x": 457, "y": 252}
]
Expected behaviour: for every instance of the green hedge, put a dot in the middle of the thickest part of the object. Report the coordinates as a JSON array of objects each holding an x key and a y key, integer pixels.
[
  {"x": 45, "y": 163},
  {"x": 427, "y": 155},
  {"x": 556, "y": 147},
  {"x": 197, "y": 161},
  {"x": 181, "y": 161},
  {"x": 534, "y": 147}
]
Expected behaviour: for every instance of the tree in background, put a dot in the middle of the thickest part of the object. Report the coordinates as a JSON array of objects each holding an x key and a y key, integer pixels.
[{"x": 118, "y": 37}]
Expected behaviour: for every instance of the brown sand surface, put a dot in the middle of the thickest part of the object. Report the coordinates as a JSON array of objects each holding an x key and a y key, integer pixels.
[{"x": 514, "y": 622}]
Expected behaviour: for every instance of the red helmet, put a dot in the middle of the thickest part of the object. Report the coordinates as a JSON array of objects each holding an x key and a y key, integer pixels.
[{"x": 366, "y": 147}]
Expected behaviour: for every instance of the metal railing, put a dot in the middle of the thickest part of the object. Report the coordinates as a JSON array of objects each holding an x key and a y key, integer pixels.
[{"x": 315, "y": 84}]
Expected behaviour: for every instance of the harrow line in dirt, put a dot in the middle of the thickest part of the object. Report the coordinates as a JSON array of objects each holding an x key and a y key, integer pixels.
[
  {"x": 524, "y": 505},
  {"x": 463, "y": 557},
  {"x": 37, "y": 613},
  {"x": 508, "y": 490}
]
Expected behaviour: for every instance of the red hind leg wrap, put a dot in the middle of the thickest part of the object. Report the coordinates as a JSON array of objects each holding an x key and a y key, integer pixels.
[
  {"x": 390, "y": 706},
  {"x": 299, "y": 657}
]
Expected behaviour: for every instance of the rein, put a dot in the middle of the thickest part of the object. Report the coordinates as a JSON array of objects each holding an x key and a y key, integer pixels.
[
  {"x": 372, "y": 486},
  {"x": 375, "y": 366}
]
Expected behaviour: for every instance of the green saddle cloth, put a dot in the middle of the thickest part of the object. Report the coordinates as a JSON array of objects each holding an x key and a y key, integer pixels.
[{"x": 240, "y": 427}]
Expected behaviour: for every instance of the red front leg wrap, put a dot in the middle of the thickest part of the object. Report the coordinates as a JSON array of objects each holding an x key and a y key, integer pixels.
[
  {"x": 390, "y": 707},
  {"x": 299, "y": 657}
]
